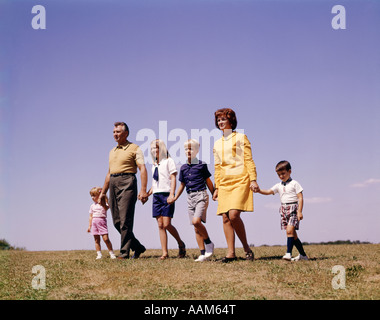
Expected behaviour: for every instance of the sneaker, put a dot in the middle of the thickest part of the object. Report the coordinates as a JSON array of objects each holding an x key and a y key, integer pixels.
[
  {"x": 201, "y": 258},
  {"x": 287, "y": 256},
  {"x": 300, "y": 257},
  {"x": 112, "y": 256},
  {"x": 209, "y": 250},
  {"x": 99, "y": 256}
]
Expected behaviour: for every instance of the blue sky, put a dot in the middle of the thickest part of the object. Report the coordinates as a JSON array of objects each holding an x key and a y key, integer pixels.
[{"x": 302, "y": 91}]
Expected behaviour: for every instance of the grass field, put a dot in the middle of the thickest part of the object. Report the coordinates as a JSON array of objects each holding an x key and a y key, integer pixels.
[{"x": 77, "y": 275}]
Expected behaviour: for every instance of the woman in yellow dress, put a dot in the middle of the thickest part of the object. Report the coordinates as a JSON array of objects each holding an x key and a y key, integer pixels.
[{"x": 235, "y": 180}]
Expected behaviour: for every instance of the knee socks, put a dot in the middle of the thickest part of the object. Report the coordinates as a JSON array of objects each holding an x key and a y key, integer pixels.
[
  {"x": 291, "y": 242},
  {"x": 299, "y": 247}
]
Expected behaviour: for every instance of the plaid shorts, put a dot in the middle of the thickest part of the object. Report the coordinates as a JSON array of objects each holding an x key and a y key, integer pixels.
[{"x": 288, "y": 214}]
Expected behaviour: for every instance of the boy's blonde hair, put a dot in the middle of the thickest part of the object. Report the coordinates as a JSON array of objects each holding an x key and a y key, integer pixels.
[
  {"x": 164, "y": 154},
  {"x": 194, "y": 144}
]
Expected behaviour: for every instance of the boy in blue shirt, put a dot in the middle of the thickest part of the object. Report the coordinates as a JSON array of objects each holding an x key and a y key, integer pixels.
[
  {"x": 194, "y": 175},
  {"x": 291, "y": 196}
]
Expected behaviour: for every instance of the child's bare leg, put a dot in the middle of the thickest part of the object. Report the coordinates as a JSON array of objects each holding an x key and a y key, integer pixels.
[
  {"x": 291, "y": 232},
  {"x": 200, "y": 232},
  {"x": 199, "y": 238},
  {"x": 107, "y": 242},
  {"x": 97, "y": 242},
  {"x": 163, "y": 236},
  {"x": 172, "y": 230}
]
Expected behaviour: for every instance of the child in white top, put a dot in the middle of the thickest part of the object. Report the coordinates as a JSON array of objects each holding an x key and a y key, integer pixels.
[
  {"x": 98, "y": 223},
  {"x": 163, "y": 188},
  {"x": 291, "y": 196}
]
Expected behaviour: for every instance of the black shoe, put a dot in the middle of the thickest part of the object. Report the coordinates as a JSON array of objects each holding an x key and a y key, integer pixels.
[
  {"x": 138, "y": 252},
  {"x": 122, "y": 257},
  {"x": 182, "y": 250},
  {"x": 227, "y": 260},
  {"x": 250, "y": 256}
]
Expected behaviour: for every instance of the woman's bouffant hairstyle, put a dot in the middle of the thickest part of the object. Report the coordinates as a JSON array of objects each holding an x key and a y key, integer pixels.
[{"x": 229, "y": 114}]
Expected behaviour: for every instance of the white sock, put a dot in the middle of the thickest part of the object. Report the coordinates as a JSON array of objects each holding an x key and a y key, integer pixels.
[{"x": 99, "y": 253}]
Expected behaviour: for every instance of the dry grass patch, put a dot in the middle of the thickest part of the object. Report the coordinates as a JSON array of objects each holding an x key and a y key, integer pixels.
[{"x": 77, "y": 275}]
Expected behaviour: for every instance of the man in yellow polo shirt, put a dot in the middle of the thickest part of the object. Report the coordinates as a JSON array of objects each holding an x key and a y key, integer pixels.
[{"x": 124, "y": 160}]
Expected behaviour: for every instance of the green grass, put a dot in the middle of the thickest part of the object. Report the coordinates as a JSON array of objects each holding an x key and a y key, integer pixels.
[{"x": 77, "y": 275}]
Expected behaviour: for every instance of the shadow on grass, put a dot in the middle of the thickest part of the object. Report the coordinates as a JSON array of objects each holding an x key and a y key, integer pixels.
[{"x": 280, "y": 258}]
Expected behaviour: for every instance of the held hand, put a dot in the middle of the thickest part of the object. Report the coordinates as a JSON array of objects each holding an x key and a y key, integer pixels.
[
  {"x": 215, "y": 195},
  {"x": 143, "y": 197},
  {"x": 101, "y": 198},
  {"x": 254, "y": 186},
  {"x": 142, "y": 194},
  {"x": 170, "y": 200}
]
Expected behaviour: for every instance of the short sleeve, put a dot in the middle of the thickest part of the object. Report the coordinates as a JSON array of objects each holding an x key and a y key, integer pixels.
[
  {"x": 205, "y": 172},
  {"x": 180, "y": 178},
  {"x": 298, "y": 188},
  {"x": 139, "y": 156},
  {"x": 171, "y": 166},
  {"x": 275, "y": 188}
]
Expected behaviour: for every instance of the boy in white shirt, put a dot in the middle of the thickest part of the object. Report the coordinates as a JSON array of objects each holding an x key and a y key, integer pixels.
[{"x": 291, "y": 196}]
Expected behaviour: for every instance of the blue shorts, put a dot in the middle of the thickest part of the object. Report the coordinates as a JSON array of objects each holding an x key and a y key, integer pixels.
[{"x": 161, "y": 206}]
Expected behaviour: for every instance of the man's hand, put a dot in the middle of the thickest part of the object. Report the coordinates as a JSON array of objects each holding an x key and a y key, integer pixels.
[
  {"x": 143, "y": 197},
  {"x": 102, "y": 200}
]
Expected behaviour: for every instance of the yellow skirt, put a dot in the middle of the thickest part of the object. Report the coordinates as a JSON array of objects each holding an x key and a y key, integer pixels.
[{"x": 234, "y": 193}]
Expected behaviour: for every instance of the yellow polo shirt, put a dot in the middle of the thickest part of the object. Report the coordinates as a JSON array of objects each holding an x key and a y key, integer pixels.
[{"x": 125, "y": 158}]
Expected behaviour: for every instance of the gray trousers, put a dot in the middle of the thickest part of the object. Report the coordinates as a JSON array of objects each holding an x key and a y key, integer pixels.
[{"x": 122, "y": 201}]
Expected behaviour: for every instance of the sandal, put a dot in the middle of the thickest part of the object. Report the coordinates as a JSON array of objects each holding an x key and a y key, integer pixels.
[
  {"x": 249, "y": 256},
  {"x": 182, "y": 250}
]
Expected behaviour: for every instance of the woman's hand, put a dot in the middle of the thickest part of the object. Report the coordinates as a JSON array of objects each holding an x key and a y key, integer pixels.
[{"x": 254, "y": 186}]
